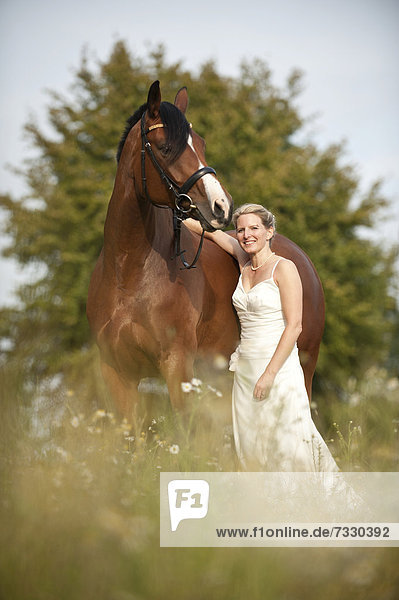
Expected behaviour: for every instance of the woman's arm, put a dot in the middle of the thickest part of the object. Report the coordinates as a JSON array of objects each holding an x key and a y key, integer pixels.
[
  {"x": 222, "y": 239},
  {"x": 290, "y": 286}
]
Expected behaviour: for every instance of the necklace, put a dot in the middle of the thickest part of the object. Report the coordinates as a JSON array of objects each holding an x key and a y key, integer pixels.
[{"x": 256, "y": 268}]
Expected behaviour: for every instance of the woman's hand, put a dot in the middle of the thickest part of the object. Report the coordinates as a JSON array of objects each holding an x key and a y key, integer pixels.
[
  {"x": 193, "y": 225},
  {"x": 263, "y": 386}
]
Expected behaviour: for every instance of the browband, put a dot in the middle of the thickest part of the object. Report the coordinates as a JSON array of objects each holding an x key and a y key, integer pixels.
[
  {"x": 154, "y": 127},
  {"x": 157, "y": 125}
]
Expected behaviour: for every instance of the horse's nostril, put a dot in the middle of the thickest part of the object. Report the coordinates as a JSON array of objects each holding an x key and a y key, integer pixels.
[{"x": 218, "y": 208}]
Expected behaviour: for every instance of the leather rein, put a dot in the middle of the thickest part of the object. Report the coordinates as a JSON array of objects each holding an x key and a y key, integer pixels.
[{"x": 183, "y": 202}]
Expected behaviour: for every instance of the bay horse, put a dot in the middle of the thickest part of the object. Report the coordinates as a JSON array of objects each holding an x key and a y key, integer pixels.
[{"x": 149, "y": 316}]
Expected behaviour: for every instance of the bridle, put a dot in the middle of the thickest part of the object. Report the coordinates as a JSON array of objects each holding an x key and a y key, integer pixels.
[{"x": 183, "y": 202}]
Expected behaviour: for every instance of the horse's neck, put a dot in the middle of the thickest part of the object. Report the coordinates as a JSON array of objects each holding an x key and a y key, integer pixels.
[{"x": 133, "y": 225}]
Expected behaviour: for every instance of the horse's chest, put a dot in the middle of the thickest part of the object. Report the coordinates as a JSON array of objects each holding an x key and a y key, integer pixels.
[{"x": 156, "y": 306}]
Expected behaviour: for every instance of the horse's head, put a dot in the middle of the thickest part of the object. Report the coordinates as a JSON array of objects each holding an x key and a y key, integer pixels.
[{"x": 173, "y": 167}]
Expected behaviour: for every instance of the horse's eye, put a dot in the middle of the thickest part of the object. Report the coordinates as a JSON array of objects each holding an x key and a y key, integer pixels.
[{"x": 165, "y": 149}]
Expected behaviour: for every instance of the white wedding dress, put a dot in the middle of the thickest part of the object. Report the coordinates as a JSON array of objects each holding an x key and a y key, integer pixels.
[{"x": 276, "y": 434}]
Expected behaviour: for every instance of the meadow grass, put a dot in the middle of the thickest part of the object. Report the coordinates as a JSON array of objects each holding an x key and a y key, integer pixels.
[{"x": 80, "y": 498}]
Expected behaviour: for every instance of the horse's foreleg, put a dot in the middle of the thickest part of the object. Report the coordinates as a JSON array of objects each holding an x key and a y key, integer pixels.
[
  {"x": 124, "y": 394},
  {"x": 176, "y": 369}
]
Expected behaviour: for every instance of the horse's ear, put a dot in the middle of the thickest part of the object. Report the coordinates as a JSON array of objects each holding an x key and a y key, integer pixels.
[
  {"x": 154, "y": 100},
  {"x": 181, "y": 100}
]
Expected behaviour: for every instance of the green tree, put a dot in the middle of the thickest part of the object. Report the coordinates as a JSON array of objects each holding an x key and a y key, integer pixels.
[{"x": 250, "y": 127}]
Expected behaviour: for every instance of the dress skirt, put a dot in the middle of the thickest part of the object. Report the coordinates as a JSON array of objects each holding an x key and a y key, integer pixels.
[{"x": 278, "y": 433}]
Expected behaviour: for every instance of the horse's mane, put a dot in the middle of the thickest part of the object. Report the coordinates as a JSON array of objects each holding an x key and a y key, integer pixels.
[{"x": 176, "y": 124}]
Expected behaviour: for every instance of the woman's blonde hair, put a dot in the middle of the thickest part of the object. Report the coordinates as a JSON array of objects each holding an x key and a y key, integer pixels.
[{"x": 265, "y": 215}]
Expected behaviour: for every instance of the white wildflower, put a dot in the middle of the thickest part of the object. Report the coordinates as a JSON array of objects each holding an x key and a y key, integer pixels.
[
  {"x": 174, "y": 449},
  {"x": 196, "y": 382},
  {"x": 75, "y": 422},
  {"x": 186, "y": 387},
  {"x": 99, "y": 414}
]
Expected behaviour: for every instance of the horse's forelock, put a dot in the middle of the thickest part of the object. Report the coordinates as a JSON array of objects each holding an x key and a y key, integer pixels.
[
  {"x": 177, "y": 129},
  {"x": 176, "y": 125}
]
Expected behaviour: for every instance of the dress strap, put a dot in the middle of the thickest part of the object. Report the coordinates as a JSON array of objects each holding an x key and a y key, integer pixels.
[{"x": 275, "y": 265}]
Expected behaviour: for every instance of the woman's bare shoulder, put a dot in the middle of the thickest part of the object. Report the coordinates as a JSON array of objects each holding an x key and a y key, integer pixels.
[
  {"x": 284, "y": 268},
  {"x": 283, "y": 263}
]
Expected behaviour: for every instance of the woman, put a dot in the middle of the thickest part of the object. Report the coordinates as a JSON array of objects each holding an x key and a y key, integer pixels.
[{"x": 273, "y": 428}]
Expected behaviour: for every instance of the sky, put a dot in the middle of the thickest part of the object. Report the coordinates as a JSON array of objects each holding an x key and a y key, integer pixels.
[{"x": 348, "y": 52}]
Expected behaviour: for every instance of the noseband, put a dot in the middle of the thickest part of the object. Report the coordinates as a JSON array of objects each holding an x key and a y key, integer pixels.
[{"x": 183, "y": 202}]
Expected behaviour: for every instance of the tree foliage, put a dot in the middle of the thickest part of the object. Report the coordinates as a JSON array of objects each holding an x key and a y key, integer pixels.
[{"x": 251, "y": 128}]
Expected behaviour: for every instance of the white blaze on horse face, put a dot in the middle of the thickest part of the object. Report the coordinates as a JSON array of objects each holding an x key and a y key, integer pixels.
[{"x": 217, "y": 198}]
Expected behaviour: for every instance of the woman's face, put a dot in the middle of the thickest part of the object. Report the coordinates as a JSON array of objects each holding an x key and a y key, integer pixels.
[{"x": 252, "y": 235}]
